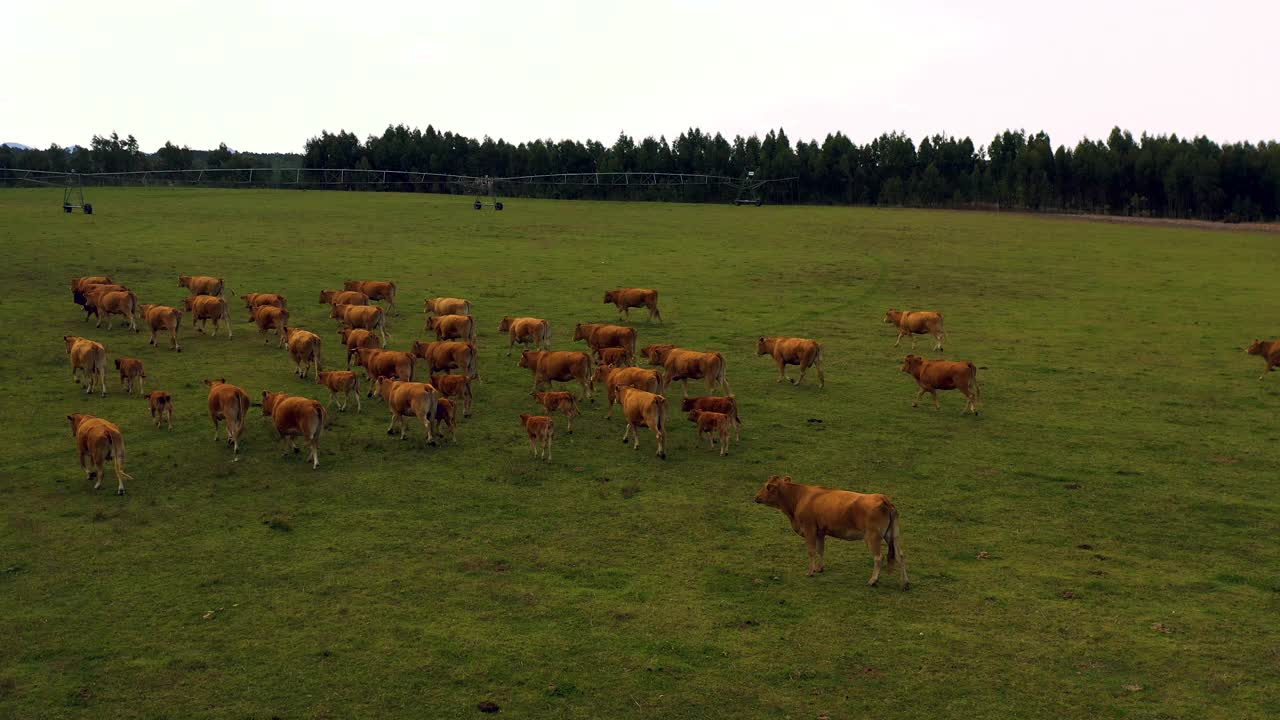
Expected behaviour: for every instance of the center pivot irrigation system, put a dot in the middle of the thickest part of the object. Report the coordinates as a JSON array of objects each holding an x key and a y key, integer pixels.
[{"x": 487, "y": 190}]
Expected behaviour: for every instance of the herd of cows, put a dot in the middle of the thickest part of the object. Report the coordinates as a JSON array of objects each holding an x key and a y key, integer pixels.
[{"x": 449, "y": 364}]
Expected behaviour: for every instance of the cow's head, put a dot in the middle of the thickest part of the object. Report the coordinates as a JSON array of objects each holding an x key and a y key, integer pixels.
[
  {"x": 382, "y": 386},
  {"x": 578, "y": 333},
  {"x": 344, "y": 333},
  {"x": 911, "y": 364},
  {"x": 215, "y": 381},
  {"x": 694, "y": 415},
  {"x": 433, "y": 322},
  {"x": 419, "y": 349},
  {"x": 351, "y": 284},
  {"x": 656, "y": 354},
  {"x": 602, "y": 373},
  {"x": 527, "y": 358},
  {"x": 1258, "y": 347},
  {"x": 326, "y": 296},
  {"x": 892, "y": 317},
  {"x": 145, "y": 308},
  {"x": 269, "y": 400},
  {"x": 764, "y": 346},
  {"x": 70, "y": 340},
  {"x": 771, "y": 493},
  {"x": 248, "y": 300},
  {"x": 504, "y": 324},
  {"x": 609, "y": 296},
  {"x": 184, "y": 281},
  {"x": 339, "y": 310},
  {"x": 117, "y": 363},
  {"x": 75, "y": 419}
]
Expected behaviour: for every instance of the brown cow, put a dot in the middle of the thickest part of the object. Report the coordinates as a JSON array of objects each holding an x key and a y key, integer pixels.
[
  {"x": 256, "y": 300},
  {"x": 1270, "y": 352},
  {"x": 376, "y": 290},
  {"x": 560, "y": 400},
  {"x": 935, "y": 375},
  {"x": 917, "y": 322},
  {"x": 107, "y": 303},
  {"x": 341, "y": 381},
  {"x": 408, "y": 399},
  {"x": 685, "y": 365},
  {"x": 712, "y": 424},
  {"x": 201, "y": 284},
  {"x": 793, "y": 351},
  {"x": 364, "y": 317},
  {"x": 294, "y": 416},
  {"x": 725, "y": 405},
  {"x": 455, "y": 386},
  {"x": 627, "y": 298},
  {"x": 356, "y": 338},
  {"x": 162, "y": 317},
  {"x": 447, "y": 415},
  {"x": 83, "y": 296},
  {"x": 600, "y": 335},
  {"x": 558, "y": 366},
  {"x": 526, "y": 331},
  {"x": 447, "y": 306},
  {"x": 304, "y": 349},
  {"x": 452, "y": 327},
  {"x": 385, "y": 363},
  {"x": 615, "y": 356},
  {"x": 161, "y": 404},
  {"x": 204, "y": 308},
  {"x": 540, "y": 429},
  {"x": 229, "y": 404},
  {"x": 268, "y": 318},
  {"x": 99, "y": 440},
  {"x": 343, "y": 297},
  {"x": 130, "y": 369},
  {"x": 447, "y": 355},
  {"x": 80, "y": 283},
  {"x": 88, "y": 360},
  {"x": 614, "y": 378},
  {"x": 644, "y": 409},
  {"x": 816, "y": 512}
]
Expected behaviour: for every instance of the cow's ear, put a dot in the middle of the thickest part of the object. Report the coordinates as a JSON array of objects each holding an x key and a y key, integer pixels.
[
  {"x": 264, "y": 394},
  {"x": 786, "y": 478}
]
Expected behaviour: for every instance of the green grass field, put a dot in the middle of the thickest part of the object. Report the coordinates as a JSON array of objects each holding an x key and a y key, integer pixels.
[{"x": 1122, "y": 477}]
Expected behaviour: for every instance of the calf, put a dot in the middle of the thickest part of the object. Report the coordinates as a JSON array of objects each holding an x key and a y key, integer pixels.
[
  {"x": 376, "y": 290},
  {"x": 108, "y": 303},
  {"x": 201, "y": 284},
  {"x": 130, "y": 369},
  {"x": 162, "y": 317},
  {"x": 627, "y": 298},
  {"x": 204, "y": 308},
  {"x": 304, "y": 349},
  {"x": 97, "y": 441},
  {"x": 83, "y": 296},
  {"x": 356, "y": 338},
  {"x": 268, "y": 318},
  {"x": 1270, "y": 352},
  {"x": 540, "y": 429},
  {"x": 455, "y": 386},
  {"x": 917, "y": 322},
  {"x": 711, "y": 424},
  {"x": 230, "y": 405},
  {"x": 615, "y": 356},
  {"x": 793, "y": 351},
  {"x": 600, "y": 335},
  {"x": 379, "y": 363},
  {"x": 406, "y": 399},
  {"x": 816, "y": 512},
  {"x": 685, "y": 365},
  {"x": 559, "y": 400},
  {"x": 88, "y": 361},
  {"x": 725, "y": 405},
  {"x": 644, "y": 409},
  {"x": 447, "y": 306},
  {"x": 257, "y": 300},
  {"x": 446, "y": 415},
  {"x": 365, "y": 317},
  {"x": 341, "y": 381},
  {"x": 448, "y": 355},
  {"x": 934, "y": 375},
  {"x": 526, "y": 331},
  {"x": 558, "y": 366},
  {"x": 453, "y": 327},
  {"x": 293, "y": 416},
  {"x": 343, "y": 297},
  {"x": 614, "y": 378},
  {"x": 161, "y": 404}
]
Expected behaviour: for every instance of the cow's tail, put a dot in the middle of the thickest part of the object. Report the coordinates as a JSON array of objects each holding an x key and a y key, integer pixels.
[
  {"x": 734, "y": 402},
  {"x": 546, "y": 334},
  {"x": 471, "y": 334},
  {"x": 323, "y": 412},
  {"x": 318, "y": 363},
  {"x": 660, "y": 403},
  {"x": 892, "y": 531},
  {"x": 942, "y": 331},
  {"x": 413, "y": 361},
  {"x": 117, "y": 456},
  {"x": 720, "y": 379},
  {"x": 242, "y": 413}
]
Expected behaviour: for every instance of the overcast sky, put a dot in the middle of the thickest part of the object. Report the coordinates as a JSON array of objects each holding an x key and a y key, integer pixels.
[{"x": 265, "y": 76}]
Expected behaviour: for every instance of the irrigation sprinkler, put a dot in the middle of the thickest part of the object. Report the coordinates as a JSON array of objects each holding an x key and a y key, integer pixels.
[{"x": 73, "y": 195}]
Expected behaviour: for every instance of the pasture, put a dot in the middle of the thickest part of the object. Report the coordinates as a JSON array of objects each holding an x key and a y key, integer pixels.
[{"x": 1099, "y": 542}]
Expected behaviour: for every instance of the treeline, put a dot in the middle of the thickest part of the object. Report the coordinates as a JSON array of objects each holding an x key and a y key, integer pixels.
[{"x": 1156, "y": 176}]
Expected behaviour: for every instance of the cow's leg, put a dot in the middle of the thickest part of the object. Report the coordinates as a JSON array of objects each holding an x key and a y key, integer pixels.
[
  {"x": 567, "y": 415},
  {"x": 913, "y": 340},
  {"x": 168, "y": 416},
  {"x": 920, "y": 394},
  {"x": 661, "y": 436},
  {"x": 936, "y": 405},
  {"x": 685, "y": 383},
  {"x": 546, "y": 450},
  {"x": 938, "y": 337},
  {"x": 822, "y": 377},
  {"x": 97, "y": 475},
  {"x": 724, "y": 441},
  {"x": 626, "y": 433},
  {"x": 782, "y": 371},
  {"x": 822, "y": 552},
  {"x": 898, "y": 342},
  {"x": 873, "y": 544},
  {"x": 804, "y": 368},
  {"x": 357, "y": 394},
  {"x": 811, "y": 542}
]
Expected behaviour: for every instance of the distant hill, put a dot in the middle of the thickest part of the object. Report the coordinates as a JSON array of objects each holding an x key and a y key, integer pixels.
[{"x": 16, "y": 146}]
